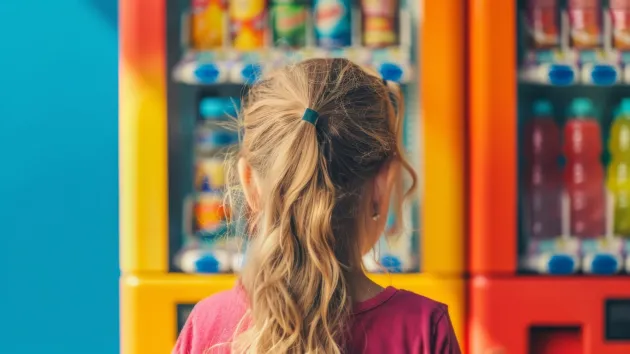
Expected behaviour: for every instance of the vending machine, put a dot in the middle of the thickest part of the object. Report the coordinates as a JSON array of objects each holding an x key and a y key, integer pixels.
[
  {"x": 184, "y": 66},
  {"x": 549, "y": 189}
]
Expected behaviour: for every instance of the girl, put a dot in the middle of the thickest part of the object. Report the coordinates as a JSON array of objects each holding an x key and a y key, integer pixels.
[{"x": 321, "y": 159}]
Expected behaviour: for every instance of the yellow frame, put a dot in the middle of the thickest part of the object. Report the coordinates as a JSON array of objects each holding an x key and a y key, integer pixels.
[{"x": 149, "y": 303}]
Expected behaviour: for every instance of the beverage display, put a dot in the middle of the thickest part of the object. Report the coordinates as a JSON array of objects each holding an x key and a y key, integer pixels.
[
  {"x": 543, "y": 18},
  {"x": 288, "y": 18},
  {"x": 247, "y": 24},
  {"x": 584, "y": 172},
  {"x": 619, "y": 169},
  {"x": 542, "y": 175},
  {"x": 333, "y": 23},
  {"x": 586, "y": 24},
  {"x": 380, "y": 22},
  {"x": 620, "y": 15},
  {"x": 207, "y": 24}
]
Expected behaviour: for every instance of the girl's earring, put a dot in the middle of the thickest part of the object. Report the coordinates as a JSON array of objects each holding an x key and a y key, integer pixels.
[{"x": 376, "y": 215}]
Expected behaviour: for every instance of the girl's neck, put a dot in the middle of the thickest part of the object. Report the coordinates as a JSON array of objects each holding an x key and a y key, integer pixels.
[{"x": 362, "y": 288}]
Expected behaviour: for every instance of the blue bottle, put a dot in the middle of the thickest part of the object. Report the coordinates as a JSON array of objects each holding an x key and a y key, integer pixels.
[{"x": 333, "y": 23}]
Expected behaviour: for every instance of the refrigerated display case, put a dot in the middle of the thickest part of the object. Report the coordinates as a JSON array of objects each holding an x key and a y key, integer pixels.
[
  {"x": 548, "y": 184},
  {"x": 176, "y": 84}
]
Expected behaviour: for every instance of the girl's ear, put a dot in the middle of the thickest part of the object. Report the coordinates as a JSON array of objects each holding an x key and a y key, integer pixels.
[{"x": 248, "y": 181}]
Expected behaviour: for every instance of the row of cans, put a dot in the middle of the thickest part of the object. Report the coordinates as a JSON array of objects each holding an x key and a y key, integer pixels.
[
  {"x": 244, "y": 23},
  {"x": 213, "y": 139}
]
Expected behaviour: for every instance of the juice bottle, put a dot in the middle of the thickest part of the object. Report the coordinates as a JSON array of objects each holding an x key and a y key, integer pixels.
[
  {"x": 542, "y": 19},
  {"x": 585, "y": 23},
  {"x": 584, "y": 172},
  {"x": 333, "y": 23},
  {"x": 542, "y": 182},
  {"x": 620, "y": 14},
  {"x": 207, "y": 24},
  {"x": 619, "y": 169},
  {"x": 289, "y": 22},
  {"x": 247, "y": 24},
  {"x": 380, "y": 22}
]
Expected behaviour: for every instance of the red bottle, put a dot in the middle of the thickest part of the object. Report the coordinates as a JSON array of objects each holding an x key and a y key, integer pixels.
[
  {"x": 584, "y": 172},
  {"x": 542, "y": 180}
]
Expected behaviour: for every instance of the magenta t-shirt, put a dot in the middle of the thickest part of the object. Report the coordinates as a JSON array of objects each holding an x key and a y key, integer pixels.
[{"x": 393, "y": 322}]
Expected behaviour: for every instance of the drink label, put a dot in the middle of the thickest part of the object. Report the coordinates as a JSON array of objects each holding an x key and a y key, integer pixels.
[
  {"x": 289, "y": 25},
  {"x": 620, "y": 14},
  {"x": 207, "y": 24},
  {"x": 247, "y": 22},
  {"x": 585, "y": 23},
  {"x": 333, "y": 25},
  {"x": 542, "y": 19}
]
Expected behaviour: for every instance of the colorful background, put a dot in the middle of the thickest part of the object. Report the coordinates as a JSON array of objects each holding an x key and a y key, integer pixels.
[{"x": 58, "y": 180}]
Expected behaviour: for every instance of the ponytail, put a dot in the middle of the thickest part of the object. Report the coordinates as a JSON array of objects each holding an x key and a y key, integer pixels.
[{"x": 297, "y": 289}]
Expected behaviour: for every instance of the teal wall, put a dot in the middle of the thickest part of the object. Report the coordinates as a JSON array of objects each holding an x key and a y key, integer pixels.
[{"x": 58, "y": 177}]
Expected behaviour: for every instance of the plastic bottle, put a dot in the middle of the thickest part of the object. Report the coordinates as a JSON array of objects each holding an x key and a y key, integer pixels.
[
  {"x": 333, "y": 23},
  {"x": 247, "y": 24},
  {"x": 543, "y": 18},
  {"x": 207, "y": 22},
  {"x": 619, "y": 169},
  {"x": 380, "y": 22},
  {"x": 289, "y": 22},
  {"x": 620, "y": 14},
  {"x": 542, "y": 182},
  {"x": 584, "y": 172},
  {"x": 585, "y": 23}
]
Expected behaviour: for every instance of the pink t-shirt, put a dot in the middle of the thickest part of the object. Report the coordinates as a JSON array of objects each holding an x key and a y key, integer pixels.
[{"x": 393, "y": 322}]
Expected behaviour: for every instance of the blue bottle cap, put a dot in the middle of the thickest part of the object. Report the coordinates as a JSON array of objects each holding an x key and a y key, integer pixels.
[
  {"x": 542, "y": 108},
  {"x": 581, "y": 107},
  {"x": 624, "y": 109},
  {"x": 213, "y": 107}
]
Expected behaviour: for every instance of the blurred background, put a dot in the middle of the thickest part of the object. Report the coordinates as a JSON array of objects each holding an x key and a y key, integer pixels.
[{"x": 59, "y": 177}]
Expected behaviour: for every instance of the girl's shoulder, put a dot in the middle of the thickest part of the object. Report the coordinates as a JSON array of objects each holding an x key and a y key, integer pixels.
[
  {"x": 221, "y": 308},
  {"x": 213, "y": 321}
]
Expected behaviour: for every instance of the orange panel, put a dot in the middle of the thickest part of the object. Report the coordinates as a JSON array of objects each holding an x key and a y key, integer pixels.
[
  {"x": 442, "y": 91},
  {"x": 492, "y": 129},
  {"x": 525, "y": 315}
]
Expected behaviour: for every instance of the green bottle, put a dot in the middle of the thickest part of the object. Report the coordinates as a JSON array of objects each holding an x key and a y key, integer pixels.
[{"x": 289, "y": 23}]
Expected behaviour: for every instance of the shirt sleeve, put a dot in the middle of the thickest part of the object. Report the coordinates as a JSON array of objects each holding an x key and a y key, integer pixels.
[
  {"x": 444, "y": 339},
  {"x": 184, "y": 342}
]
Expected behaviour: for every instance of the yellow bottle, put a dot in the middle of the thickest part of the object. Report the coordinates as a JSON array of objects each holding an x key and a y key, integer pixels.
[{"x": 619, "y": 168}]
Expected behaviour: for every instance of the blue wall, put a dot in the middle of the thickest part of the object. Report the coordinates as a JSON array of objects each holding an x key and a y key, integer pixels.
[{"x": 58, "y": 178}]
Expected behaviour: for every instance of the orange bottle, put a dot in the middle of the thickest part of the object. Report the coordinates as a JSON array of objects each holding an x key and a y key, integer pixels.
[{"x": 585, "y": 23}]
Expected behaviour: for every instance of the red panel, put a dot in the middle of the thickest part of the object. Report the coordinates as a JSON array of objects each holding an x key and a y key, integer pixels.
[
  {"x": 503, "y": 312},
  {"x": 492, "y": 129}
]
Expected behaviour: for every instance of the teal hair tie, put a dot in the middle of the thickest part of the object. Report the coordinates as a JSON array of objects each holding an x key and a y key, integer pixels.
[{"x": 310, "y": 116}]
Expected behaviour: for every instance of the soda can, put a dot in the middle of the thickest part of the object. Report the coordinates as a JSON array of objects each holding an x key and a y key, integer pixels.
[
  {"x": 380, "y": 22},
  {"x": 333, "y": 23},
  {"x": 207, "y": 20},
  {"x": 210, "y": 213},
  {"x": 247, "y": 24},
  {"x": 289, "y": 23},
  {"x": 210, "y": 175}
]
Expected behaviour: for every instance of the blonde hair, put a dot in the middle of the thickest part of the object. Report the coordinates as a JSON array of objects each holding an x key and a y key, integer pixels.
[{"x": 311, "y": 179}]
